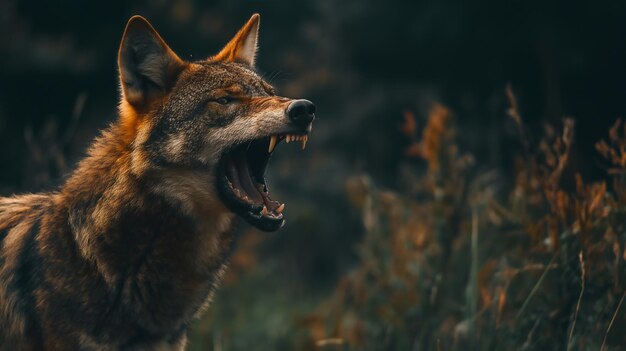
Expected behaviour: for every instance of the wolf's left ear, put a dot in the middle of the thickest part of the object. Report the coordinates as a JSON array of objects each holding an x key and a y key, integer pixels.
[
  {"x": 148, "y": 67},
  {"x": 242, "y": 48}
]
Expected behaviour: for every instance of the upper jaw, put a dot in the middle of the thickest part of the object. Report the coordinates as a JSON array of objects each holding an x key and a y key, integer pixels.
[{"x": 274, "y": 139}]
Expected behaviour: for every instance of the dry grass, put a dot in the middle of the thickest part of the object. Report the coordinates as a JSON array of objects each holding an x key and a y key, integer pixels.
[{"x": 457, "y": 260}]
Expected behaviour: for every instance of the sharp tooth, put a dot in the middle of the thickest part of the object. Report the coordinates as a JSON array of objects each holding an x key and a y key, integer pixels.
[
  {"x": 264, "y": 211},
  {"x": 288, "y": 138},
  {"x": 303, "y": 143},
  {"x": 280, "y": 209},
  {"x": 273, "y": 141}
]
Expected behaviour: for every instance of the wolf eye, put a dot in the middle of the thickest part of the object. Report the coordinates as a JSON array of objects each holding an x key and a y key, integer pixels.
[{"x": 224, "y": 100}]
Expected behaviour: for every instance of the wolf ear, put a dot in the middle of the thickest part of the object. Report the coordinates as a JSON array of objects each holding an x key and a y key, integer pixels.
[
  {"x": 148, "y": 67},
  {"x": 243, "y": 47}
]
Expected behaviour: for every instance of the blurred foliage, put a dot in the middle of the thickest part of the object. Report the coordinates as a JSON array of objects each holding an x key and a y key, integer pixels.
[{"x": 457, "y": 262}]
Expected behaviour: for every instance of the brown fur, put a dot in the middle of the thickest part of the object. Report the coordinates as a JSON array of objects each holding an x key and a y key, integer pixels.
[{"x": 130, "y": 249}]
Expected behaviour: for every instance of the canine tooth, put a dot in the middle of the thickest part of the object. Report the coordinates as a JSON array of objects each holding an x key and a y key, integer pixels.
[
  {"x": 273, "y": 141},
  {"x": 303, "y": 143},
  {"x": 264, "y": 211},
  {"x": 288, "y": 138},
  {"x": 280, "y": 209}
]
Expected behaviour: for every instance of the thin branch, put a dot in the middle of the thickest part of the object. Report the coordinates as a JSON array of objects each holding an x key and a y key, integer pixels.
[
  {"x": 603, "y": 347},
  {"x": 580, "y": 298},
  {"x": 536, "y": 287}
]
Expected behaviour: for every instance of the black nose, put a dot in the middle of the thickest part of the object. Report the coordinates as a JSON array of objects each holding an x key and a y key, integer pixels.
[{"x": 301, "y": 112}]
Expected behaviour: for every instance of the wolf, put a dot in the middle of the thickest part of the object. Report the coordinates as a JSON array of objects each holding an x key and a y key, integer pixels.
[{"x": 131, "y": 247}]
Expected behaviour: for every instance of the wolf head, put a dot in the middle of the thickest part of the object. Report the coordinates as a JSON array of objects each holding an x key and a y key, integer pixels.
[{"x": 215, "y": 120}]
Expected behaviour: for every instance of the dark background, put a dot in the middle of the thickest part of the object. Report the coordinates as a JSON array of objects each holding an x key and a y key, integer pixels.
[{"x": 362, "y": 62}]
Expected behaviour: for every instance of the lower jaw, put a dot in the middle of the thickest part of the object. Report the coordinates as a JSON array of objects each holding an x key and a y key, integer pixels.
[
  {"x": 264, "y": 223},
  {"x": 251, "y": 213}
]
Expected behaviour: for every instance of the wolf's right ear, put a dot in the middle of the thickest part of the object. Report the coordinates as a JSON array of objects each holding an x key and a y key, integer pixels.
[{"x": 148, "y": 67}]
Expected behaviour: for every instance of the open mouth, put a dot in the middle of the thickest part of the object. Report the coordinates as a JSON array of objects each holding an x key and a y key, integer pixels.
[{"x": 241, "y": 181}]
